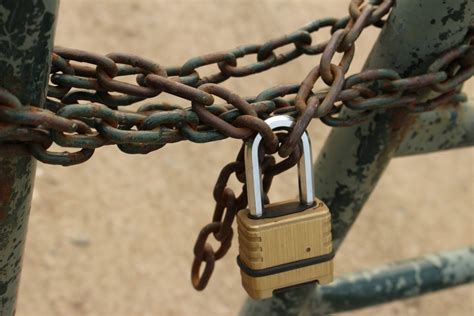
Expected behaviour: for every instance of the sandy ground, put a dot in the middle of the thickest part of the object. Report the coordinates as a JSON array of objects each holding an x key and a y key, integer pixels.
[{"x": 114, "y": 236}]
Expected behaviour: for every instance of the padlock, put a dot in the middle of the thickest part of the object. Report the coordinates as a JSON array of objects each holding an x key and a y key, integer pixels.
[{"x": 288, "y": 243}]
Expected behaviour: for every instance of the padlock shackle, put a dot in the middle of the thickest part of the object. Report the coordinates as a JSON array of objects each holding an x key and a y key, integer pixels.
[{"x": 254, "y": 176}]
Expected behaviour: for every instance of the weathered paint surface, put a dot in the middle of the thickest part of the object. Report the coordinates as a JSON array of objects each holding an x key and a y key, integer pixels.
[
  {"x": 354, "y": 158},
  {"x": 378, "y": 285},
  {"x": 448, "y": 127},
  {"x": 26, "y": 41},
  {"x": 393, "y": 281},
  {"x": 17, "y": 170}
]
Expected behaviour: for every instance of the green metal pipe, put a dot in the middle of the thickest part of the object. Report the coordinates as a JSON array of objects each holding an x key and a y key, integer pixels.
[
  {"x": 17, "y": 173},
  {"x": 379, "y": 285},
  {"x": 448, "y": 127},
  {"x": 353, "y": 159},
  {"x": 26, "y": 42},
  {"x": 393, "y": 282}
]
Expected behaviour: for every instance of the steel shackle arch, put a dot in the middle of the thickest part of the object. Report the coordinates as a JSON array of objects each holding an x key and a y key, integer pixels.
[{"x": 253, "y": 172}]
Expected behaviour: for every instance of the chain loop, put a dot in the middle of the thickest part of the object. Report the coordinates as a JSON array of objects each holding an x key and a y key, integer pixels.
[
  {"x": 382, "y": 7},
  {"x": 232, "y": 70},
  {"x": 328, "y": 54},
  {"x": 207, "y": 256},
  {"x": 354, "y": 29},
  {"x": 94, "y": 80},
  {"x": 59, "y": 64},
  {"x": 208, "y": 118},
  {"x": 457, "y": 77},
  {"x": 85, "y": 98},
  {"x": 146, "y": 66}
]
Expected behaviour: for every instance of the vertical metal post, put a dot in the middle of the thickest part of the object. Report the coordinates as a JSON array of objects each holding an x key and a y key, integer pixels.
[
  {"x": 415, "y": 34},
  {"x": 354, "y": 158},
  {"x": 26, "y": 41}
]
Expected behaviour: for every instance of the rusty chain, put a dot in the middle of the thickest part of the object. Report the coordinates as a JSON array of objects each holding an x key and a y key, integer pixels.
[
  {"x": 85, "y": 104},
  {"x": 321, "y": 104},
  {"x": 227, "y": 206}
]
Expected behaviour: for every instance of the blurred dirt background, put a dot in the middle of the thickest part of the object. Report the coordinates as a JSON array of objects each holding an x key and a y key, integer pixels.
[{"x": 114, "y": 236}]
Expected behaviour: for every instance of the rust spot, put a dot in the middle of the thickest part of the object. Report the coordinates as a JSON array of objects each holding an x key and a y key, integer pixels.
[
  {"x": 453, "y": 105},
  {"x": 3, "y": 214},
  {"x": 400, "y": 123},
  {"x": 401, "y": 119},
  {"x": 5, "y": 195}
]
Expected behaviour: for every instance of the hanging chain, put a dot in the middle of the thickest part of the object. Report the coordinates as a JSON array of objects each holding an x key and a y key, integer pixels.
[
  {"x": 227, "y": 206},
  {"x": 85, "y": 107},
  {"x": 395, "y": 92}
]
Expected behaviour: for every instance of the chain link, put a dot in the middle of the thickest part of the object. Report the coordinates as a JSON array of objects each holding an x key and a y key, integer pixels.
[
  {"x": 86, "y": 104},
  {"x": 227, "y": 206},
  {"x": 309, "y": 105}
]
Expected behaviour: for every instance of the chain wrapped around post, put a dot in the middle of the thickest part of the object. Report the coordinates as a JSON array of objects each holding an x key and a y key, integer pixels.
[{"x": 86, "y": 104}]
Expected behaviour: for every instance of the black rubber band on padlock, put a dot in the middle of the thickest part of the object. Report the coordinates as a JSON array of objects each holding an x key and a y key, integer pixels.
[{"x": 284, "y": 267}]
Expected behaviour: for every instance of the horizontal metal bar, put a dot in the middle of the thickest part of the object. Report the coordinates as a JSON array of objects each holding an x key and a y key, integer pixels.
[
  {"x": 394, "y": 281},
  {"x": 353, "y": 159},
  {"x": 448, "y": 127}
]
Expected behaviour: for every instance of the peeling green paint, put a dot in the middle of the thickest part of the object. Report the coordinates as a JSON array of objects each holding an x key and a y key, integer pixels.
[
  {"x": 17, "y": 169},
  {"x": 26, "y": 39},
  {"x": 448, "y": 127},
  {"x": 374, "y": 286},
  {"x": 392, "y": 282},
  {"x": 455, "y": 15},
  {"x": 353, "y": 158}
]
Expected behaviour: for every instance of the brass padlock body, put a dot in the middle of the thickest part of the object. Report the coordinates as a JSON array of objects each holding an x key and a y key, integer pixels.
[
  {"x": 287, "y": 243},
  {"x": 286, "y": 250}
]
